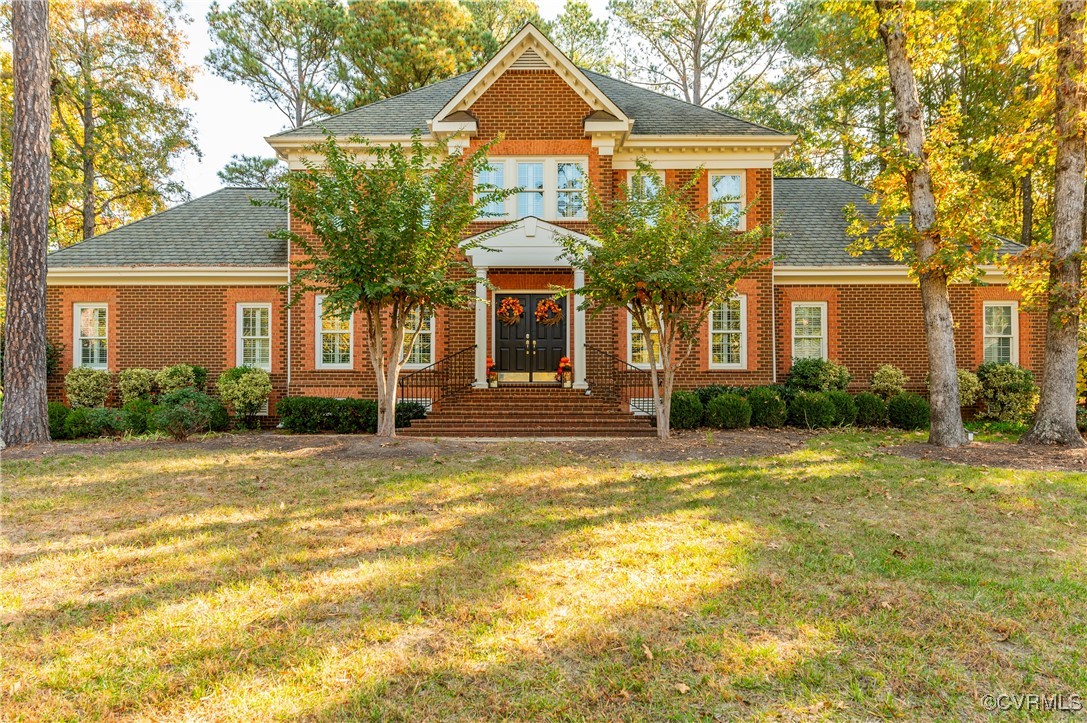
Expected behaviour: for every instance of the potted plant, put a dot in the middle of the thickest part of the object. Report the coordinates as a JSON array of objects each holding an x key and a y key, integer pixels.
[
  {"x": 492, "y": 374},
  {"x": 565, "y": 373}
]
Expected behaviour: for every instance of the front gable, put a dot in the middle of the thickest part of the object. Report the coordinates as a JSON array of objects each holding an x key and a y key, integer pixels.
[{"x": 527, "y": 242}]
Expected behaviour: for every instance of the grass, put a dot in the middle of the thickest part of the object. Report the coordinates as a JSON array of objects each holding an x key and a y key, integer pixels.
[{"x": 834, "y": 581}]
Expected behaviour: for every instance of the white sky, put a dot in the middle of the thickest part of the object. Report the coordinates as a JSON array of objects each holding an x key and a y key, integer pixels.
[{"x": 228, "y": 122}]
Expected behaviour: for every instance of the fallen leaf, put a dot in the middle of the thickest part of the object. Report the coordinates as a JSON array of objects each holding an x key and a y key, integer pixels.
[
  {"x": 682, "y": 687},
  {"x": 647, "y": 651}
]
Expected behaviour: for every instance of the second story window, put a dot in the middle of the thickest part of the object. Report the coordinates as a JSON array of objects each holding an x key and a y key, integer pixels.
[
  {"x": 553, "y": 189},
  {"x": 493, "y": 178},
  {"x": 530, "y": 179},
  {"x": 726, "y": 192},
  {"x": 571, "y": 190}
]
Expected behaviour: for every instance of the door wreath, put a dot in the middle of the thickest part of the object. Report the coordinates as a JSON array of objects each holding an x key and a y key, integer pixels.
[
  {"x": 548, "y": 312},
  {"x": 510, "y": 311}
]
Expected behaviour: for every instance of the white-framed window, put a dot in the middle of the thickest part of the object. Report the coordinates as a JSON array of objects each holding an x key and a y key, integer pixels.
[
  {"x": 334, "y": 338},
  {"x": 552, "y": 188},
  {"x": 637, "y": 350},
  {"x": 254, "y": 336},
  {"x": 494, "y": 177},
  {"x": 422, "y": 353},
  {"x": 728, "y": 334},
  {"x": 91, "y": 335},
  {"x": 1000, "y": 332},
  {"x": 809, "y": 330},
  {"x": 727, "y": 192},
  {"x": 644, "y": 186}
]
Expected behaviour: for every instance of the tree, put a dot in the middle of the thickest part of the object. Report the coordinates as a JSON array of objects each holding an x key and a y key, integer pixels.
[
  {"x": 25, "y": 419},
  {"x": 389, "y": 223},
  {"x": 284, "y": 51},
  {"x": 389, "y": 47},
  {"x": 582, "y": 38},
  {"x": 251, "y": 172},
  {"x": 499, "y": 20},
  {"x": 119, "y": 87},
  {"x": 705, "y": 51},
  {"x": 933, "y": 256},
  {"x": 1055, "y": 422},
  {"x": 665, "y": 263}
]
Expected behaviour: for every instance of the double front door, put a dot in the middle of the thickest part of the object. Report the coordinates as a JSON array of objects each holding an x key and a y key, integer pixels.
[{"x": 530, "y": 346}]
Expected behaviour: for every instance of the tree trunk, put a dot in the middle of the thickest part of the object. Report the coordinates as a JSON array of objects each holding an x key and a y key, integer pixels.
[
  {"x": 89, "y": 180},
  {"x": 1026, "y": 190},
  {"x": 1055, "y": 422},
  {"x": 946, "y": 429},
  {"x": 25, "y": 416}
]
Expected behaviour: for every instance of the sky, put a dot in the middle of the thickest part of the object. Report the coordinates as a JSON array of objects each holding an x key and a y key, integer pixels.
[{"x": 228, "y": 121}]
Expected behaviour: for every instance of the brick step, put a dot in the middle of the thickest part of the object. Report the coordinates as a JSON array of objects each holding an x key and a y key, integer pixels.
[
  {"x": 528, "y": 421},
  {"x": 636, "y": 431}
]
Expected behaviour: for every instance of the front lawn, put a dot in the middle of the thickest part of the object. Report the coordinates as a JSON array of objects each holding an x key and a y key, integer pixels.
[{"x": 525, "y": 581}]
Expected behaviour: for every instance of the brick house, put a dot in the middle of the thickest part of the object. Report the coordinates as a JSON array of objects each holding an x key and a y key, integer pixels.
[{"x": 202, "y": 283}]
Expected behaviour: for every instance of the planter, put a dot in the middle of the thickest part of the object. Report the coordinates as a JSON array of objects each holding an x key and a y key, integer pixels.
[{"x": 493, "y": 384}]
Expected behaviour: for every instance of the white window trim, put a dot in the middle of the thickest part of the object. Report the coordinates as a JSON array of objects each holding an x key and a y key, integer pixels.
[
  {"x": 238, "y": 332},
  {"x": 318, "y": 312},
  {"x": 630, "y": 344},
  {"x": 741, "y": 225},
  {"x": 826, "y": 331},
  {"x": 550, "y": 189},
  {"x": 77, "y": 348},
  {"x": 433, "y": 330},
  {"x": 1015, "y": 327},
  {"x": 743, "y": 336}
]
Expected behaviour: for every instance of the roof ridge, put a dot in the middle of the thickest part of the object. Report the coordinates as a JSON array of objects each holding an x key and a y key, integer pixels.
[{"x": 822, "y": 178}]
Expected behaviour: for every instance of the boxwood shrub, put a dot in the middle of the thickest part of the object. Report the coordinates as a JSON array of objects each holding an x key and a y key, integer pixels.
[
  {"x": 817, "y": 375},
  {"x": 709, "y": 393},
  {"x": 871, "y": 410},
  {"x": 812, "y": 410},
  {"x": 687, "y": 411},
  {"x": 845, "y": 409},
  {"x": 136, "y": 415},
  {"x": 58, "y": 413},
  {"x": 183, "y": 412},
  {"x": 908, "y": 411},
  {"x": 728, "y": 411},
  {"x": 310, "y": 415},
  {"x": 86, "y": 387},
  {"x": 767, "y": 407},
  {"x": 1008, "y": 392}
]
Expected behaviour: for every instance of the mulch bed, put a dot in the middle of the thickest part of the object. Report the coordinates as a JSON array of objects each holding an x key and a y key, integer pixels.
[{"x": 1010, "y": 456}]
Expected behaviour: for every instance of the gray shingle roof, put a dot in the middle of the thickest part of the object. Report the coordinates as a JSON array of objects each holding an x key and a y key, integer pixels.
[
  {"x": 220, "y": 229},
  {"x": 811, "y": 228},
  {"x": 653, "y": 113}
]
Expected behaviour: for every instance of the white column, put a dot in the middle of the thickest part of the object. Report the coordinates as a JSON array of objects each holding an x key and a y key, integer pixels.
[
  {"x": 482, "y": 347},
  {"x": 579, "y": 333}
]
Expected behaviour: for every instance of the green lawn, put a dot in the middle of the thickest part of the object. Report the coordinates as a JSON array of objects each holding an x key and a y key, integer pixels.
[{"x": 834, "y": 581}]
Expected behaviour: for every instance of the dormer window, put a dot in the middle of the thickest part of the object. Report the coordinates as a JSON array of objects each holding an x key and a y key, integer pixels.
[{"x": 552, "y": 189}]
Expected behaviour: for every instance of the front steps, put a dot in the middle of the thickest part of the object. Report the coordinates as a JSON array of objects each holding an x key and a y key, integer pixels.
[{"x": 529, "y": 411}]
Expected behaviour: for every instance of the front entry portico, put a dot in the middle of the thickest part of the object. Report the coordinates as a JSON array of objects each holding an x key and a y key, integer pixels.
[{"x": 527, "y": 243}]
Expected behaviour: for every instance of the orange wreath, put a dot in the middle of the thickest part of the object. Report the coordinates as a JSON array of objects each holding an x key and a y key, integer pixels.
[
  {"x": 548, "y": 312},
  {"x": 510, "y": 311}
]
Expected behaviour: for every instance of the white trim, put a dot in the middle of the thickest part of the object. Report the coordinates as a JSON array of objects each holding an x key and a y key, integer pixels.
[
  {"x": 741, "y": 222},
  {"x": 742, "y": 364},
  {"x": 822, "y": 305},
  {"x": 168, "y": 275},
  {"x": 864, "y": 274},
  {"x": 238, "y": 356},
  {"x": 701, "y": 159},
  {"x": 1015, "y": 327},
  {"x": 77, "y": 347},
  {"x": 527, "y": 241},
  {"x": 318, "y": 338},
  {"x": 550, "y": 210}
]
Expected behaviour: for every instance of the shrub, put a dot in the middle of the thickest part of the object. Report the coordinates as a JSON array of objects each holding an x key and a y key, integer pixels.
[
  {"x": 969, "y": 388},
  {"x": 871, "y": 410},
  {"x": 246, "y": 389},
  {"x": 686, "y": 410},
  {"x": 108, "y": 422},
  {"x": 728, "y": 411},
  {"x": 92, "y": 422},
  {"x": 812, "y": 410},
  {"x": 817, "y": 375},
  {"x": 908, "y": 411},
  {"x": 888, "y": 381},
  {"x": 136, "y": 415},
  {"x": 352, "y": 416},
  {"x": 845, "y": 409},
  {"x": 219, "y": 420},
  {"x": 200, "y": 378},
  {"x": 767, "y": 407},
  {"x": 405, "y": 413},
  {"x": 135, "y": 383},
  {"x": 1081, "y": 419},
  {"x": 58, "y": 413},
  {"x": 306, "y": 415},
  {"x": 708, "y": 394},
  {"x": 183, "y": 412},
  {"x": 87, "y": 387},
  {"x": 1008, "y": 392},
  {"x": 179, "y": 376}
]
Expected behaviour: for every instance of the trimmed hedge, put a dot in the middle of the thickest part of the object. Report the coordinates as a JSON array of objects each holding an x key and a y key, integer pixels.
[
  {"x": 768, "y": 409},
  {"x": 310, "y": 415},
  {"x": 183, "y": 412},
  {"x": 908, "y": 411},
  {"x": 687, "y": 410},
  {"x": 92, "y": 422},
  {"x": 871, "y": 410},
  {"x": 58, "y": 413},
  {"x": 136, "y": 415},
  {"x": 888, "y": 381},
  {"x": 135, "y": 383},
  {"x": 711, "y": 392},
  {"x": 845, "y": 409},
  {"x": 246, "y": 389},
  {"x": 817, "y": 375},
  {"x": 1008, "y": 392},
  {"x": 87, "y": 388},
  {"x": 728, "y": 411},
  {"x": 812, "y": 410}
]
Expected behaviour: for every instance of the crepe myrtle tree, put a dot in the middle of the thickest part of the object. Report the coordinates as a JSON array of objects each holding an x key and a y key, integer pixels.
[
  {"x": 667, "y": 262},
  {"x": 387, "y": 225}
]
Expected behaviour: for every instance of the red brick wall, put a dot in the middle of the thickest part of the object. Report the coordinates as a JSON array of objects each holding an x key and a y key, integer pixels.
[{"x": 530, "y": 105}]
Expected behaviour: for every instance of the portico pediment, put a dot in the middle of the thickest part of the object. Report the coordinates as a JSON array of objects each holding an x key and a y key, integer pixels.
[{"x": 527, "y": 242}]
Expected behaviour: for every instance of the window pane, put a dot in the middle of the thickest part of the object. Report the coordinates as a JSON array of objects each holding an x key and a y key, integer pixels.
[
  {"x": 998, "y": 349},
  {"x": 807, "y": 349},
  {"x": 725, "y": 187},
  {"x": 644, "y": 186},
  {"x": 422, "y": 352},
  {"x": 998, "y": 320},
  {"x": 495, "y": 178},
  {"x": 571, "y": 176},
  {"x": 571, "y": 204},
  {"x": 336, "y": 348},
  {"x": 808, "y": 321}
]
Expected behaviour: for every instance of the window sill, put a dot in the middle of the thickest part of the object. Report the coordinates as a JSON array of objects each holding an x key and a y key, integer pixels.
[
  {"x": 334, "y": 367},
  {"x": 727, "y": 367}
]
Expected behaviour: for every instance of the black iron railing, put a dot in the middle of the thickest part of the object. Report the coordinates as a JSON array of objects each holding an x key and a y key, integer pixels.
[
  {"x": 616, "y": 380},
  {"x": 444, "y": 378}
]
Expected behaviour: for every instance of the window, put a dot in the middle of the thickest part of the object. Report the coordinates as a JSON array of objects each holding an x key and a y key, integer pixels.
[
  {"x": 494, "y": 177},
  {"x": 91, "y": 323},
  {"x": 571, "y": 189},
  {"x": 644, "y": 186},
  {"x": 254, "y": 342},
  {"x": 639, "y": 353},
  {"x": 726, "y": 192},
  {"x": 530, "y": 178},
  {"x": 728, "y": 340},
  {"x": 333, "y": 338},
  {"x": 1001, "y": 334},
  {"x": 810, "y": 330},
  {"x": 422, "y": 354}
]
